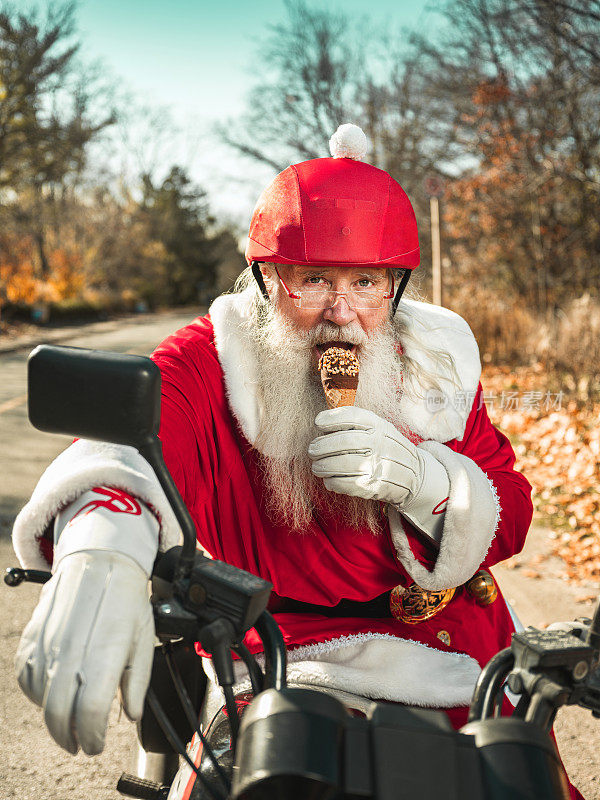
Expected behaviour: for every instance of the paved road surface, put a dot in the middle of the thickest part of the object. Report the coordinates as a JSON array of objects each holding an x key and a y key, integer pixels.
[{"x": 31, "y": 765}]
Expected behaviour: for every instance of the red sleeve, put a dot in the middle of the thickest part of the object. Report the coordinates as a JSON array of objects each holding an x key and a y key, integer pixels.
[
  {"x": 192, "y": 397},
  {"x": 493, "y": 453}
]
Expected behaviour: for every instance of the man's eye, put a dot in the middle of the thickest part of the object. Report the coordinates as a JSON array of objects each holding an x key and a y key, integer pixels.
[
  {"x": 365, "y": 283},
  {"x": 314, "y": 280}
]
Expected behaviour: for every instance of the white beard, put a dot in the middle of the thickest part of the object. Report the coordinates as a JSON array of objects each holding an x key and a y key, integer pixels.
[{"x": 290, "y": 396}]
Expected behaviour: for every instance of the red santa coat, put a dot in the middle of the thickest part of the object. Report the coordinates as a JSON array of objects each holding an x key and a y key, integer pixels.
[
  {"x": 217, "y": 471},
  {"x": 209, "y": 422}
]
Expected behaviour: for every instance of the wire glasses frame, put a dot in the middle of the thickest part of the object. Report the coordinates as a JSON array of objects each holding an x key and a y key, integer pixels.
[{"x": 315, "y": 299}]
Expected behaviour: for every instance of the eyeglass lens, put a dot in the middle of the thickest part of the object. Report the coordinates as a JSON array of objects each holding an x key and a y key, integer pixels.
[{"x": 359, "y": 301}]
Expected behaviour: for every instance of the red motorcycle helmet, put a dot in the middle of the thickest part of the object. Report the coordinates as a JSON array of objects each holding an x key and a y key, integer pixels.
[{"x": 334, "y": 212}]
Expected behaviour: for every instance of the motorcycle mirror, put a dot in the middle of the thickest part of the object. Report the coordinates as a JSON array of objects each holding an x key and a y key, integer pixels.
[
  {"x": 92, "y": 394},
  {"x": 110, "y": 397}
]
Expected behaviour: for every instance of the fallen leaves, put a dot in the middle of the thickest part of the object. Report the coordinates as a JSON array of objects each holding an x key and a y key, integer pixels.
[
  {"x": 532, "y": 573},
  {"x": 590, "y": 597},
  {"x": 558, "y": 450}
]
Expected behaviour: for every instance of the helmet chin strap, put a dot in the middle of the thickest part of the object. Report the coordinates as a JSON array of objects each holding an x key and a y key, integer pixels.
[
  {"x": 259, "y": 279},
  {"x": 397, "y": 297},
  {"x": 400, "y": 291}
]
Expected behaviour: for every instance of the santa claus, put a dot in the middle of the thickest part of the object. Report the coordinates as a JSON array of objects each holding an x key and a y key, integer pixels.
[{"x": 369, "y": 519}]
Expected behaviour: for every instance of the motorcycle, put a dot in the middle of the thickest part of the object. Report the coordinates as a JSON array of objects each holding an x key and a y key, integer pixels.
[{"x": 280, "y": 741}]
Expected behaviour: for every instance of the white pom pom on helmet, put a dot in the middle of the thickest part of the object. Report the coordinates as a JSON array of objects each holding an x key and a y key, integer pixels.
[{"x": 349, "y": 141}]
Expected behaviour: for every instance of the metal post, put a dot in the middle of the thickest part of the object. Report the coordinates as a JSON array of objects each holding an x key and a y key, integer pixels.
[
  {"x": 436, "y": 260},
  {"x": 159, "y": 767}
]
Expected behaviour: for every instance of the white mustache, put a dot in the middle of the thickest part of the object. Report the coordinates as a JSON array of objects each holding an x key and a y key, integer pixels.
[{"x": 352, "y": 333}]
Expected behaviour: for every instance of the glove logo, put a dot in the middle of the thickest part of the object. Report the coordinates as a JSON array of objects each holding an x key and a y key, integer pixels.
[
  {"x": 441, "y": 506},
  {"x": 113, "y": 500}
]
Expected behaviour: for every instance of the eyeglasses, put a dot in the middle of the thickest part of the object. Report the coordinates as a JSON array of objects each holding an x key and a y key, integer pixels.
[{"x": 318, "y": 299}]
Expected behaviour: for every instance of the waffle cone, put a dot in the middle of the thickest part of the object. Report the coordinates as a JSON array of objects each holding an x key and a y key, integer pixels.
[{"x": 336, "y": 398}]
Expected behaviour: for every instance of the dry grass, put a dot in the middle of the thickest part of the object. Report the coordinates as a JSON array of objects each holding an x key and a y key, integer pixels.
[
  {"x": 505, "y": 331},
  {"x": 565, "y": 346}
]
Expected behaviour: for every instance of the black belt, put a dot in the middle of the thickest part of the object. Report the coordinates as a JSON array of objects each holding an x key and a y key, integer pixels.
[
  {"x": 378, "y": 607},
  {"x": 411, "y": 604}
]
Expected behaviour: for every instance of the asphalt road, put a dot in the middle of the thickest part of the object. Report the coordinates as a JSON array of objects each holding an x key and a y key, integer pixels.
[{"x": 31, "y": 765}]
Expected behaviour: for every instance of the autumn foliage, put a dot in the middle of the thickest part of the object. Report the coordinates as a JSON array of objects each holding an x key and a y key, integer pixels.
[
  {"x": 20, "y": 280},
  {"x": 512, "y": 221},
  {"x": 72, "y": 231},
  {"x": 558, "y": 448}
]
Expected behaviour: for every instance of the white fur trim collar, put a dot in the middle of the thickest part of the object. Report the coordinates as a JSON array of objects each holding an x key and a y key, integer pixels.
[
  {"x": 439, "y": 418},
  {"x": 228, "y": 313}
]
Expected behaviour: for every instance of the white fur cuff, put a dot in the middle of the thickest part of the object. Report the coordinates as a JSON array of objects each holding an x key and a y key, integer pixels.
[
  {"x": 470, "y": 523},
  {"x": 80, "y": 467}
]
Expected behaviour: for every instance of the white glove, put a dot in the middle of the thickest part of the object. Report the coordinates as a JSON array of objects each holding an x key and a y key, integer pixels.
[
  {"x": 363, "y": 455},
  {"x": 93, "y": 627}
]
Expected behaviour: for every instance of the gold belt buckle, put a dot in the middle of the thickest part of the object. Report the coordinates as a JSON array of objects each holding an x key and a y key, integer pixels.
[{"x": 413, "y": 604}]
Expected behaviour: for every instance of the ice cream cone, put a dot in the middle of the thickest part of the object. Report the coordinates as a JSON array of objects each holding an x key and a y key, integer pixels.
[{"x": 339, "y": 370}]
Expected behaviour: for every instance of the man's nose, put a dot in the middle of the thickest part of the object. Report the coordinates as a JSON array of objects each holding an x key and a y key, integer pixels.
[{"x": 340, "y": 312}]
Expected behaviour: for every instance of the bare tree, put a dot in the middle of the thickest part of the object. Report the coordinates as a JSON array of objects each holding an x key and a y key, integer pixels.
[
  {"x": 48, "y": 116},
  {"x": 528, "y": 117},
  {"x": 310, "y": 71}
]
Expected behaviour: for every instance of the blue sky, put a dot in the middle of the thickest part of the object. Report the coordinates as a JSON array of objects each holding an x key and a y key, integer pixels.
[
  {"x": 198, "y": 55},
  {"x": 196, "y": 58}
]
